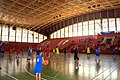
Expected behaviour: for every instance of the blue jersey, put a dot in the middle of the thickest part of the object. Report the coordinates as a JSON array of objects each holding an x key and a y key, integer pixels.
[
  {"x": 97, "y": 52},
  {"x": 38, "y": 66},
  {"x": 29, "y": 53}
]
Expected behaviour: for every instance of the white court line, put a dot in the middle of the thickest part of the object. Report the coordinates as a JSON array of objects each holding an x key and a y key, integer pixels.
[
  {"x": 95, "y": 78},
  {"x": 8, "y": 75},
  {"x": 34, "y": 75},
  {"x": 29, "y": 72}
]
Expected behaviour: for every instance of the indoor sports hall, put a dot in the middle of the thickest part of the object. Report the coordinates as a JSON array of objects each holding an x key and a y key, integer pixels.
[{"x": 59, "y": 39}]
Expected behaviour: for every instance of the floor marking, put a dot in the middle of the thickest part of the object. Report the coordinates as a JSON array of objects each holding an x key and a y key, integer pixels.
[
  {"x": 57, "y": 74},
  {"x": 110, "y": 73},
  {"x": 104, "y": 71},
  {"x": 60, "y": 71},
  {"x": 8, "y": 75},
  {"x": 34, "y": 75},
  {"x": 28, "y": 72}
]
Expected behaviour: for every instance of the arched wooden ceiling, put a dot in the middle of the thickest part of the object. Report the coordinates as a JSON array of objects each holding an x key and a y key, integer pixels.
[{"x": 33, "y": 14}]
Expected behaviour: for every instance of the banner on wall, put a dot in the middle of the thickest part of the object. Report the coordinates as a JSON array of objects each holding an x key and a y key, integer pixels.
[{"x": 109, "y": 32}]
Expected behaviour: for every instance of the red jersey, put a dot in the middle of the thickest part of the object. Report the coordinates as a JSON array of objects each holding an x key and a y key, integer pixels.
[{"x": 47, "y": 51}]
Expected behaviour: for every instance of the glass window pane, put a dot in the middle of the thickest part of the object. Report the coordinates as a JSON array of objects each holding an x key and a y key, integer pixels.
[
  {"x": 70, "y": 31},
  {"x": 40, "y": 38},
  {"x": 91, "y": 27},
  {"x": 18, "y": 34},
  {"x": 58, "y": 32},
  {"x": 66, "y": 31},
  {"x": 80, "y": 29},
  {"x": 75, "y": 30},
  {"x": 5, "y": 33},
  {"x": 104, "y": 25},
  {"x": 24, "y": 37},
  {"x": 54, "y": 34},
  {"x": 118, "y": 24},
  {"x": 45, "y": 37},
  {"x": 97, "y": 27},
  {"x": 51, "y": 36},
  {"x": 85, "y": 28},
  {"x": 0, "y": 31},
  {"x": 112, "y": 24},
  {"x": 35, "y": 37},
  {"x": 12, "y": 34},
  {"x": 30, "y": 36},
  {"x": 62, "y": 33}
]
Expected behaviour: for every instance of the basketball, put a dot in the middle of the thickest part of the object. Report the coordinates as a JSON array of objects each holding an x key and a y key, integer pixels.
[{"x": 45, "y": 62}]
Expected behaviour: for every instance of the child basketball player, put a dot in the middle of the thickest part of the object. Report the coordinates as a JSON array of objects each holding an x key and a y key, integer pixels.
[
  {"x": 47, "y": 52},
  {"x": 10, "y": 52},
  {"x": 38, "y": 66},
  {"x": 57, "y": 51},
  {"x": 17, "y": 53},
  {"x": 88, "y": 52},
  {"x": 29, "y": 55},
  {"x": 97, "y": 52},
  {"x": 38, "y": 51},
  {"x": 76, "y": 56}
]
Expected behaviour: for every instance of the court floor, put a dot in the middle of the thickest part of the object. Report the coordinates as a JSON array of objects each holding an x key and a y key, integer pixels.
[{"x": 61, "y": 68}]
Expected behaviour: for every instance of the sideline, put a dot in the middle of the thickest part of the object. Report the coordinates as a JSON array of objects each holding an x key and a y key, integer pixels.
[
  {"x": 105, "y": 70},
  {"x": 8, "y": 75}
]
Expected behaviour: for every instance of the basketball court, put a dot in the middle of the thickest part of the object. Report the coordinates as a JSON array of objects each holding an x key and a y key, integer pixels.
[{"x": 62, "y": 68}]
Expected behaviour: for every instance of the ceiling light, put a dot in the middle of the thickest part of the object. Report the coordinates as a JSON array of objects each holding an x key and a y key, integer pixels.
[
  {"x": 98, "y": 5},
  {"x": 94, "y": 6},
  {"x": 89, "y": 7}
]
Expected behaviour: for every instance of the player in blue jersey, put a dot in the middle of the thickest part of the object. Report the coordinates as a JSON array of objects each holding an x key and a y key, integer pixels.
[
  {"x": 38, "y": 66},
  {"x": 29, "y": 55},
  {"x": 97, "y": 52}
]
